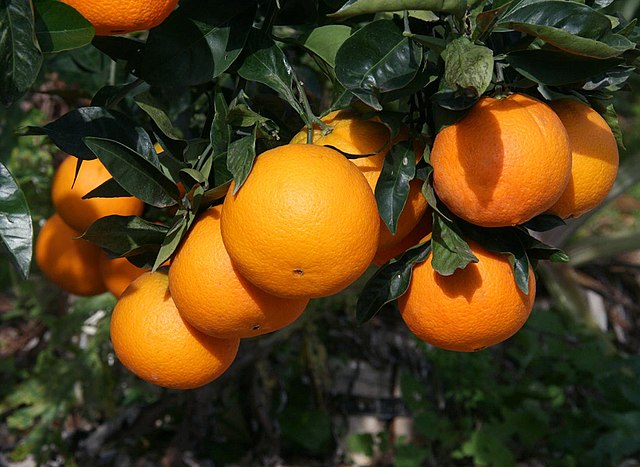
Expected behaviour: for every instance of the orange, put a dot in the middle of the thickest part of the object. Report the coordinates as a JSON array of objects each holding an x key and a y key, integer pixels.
[
  {"x": 353, "y": 135},
  {"x": 69, "y": 262},
  {"x": 506, "y": 161},
  {"x": 110, "y": 17},
  {"x": 118, "y": 273},
  {"x": 304, "y": 224},
  {"x": 414, "y": 237},
  {"x": 81, "y": 213},
  {"x": 213, "y": 297},
  {"x": 474, "y": 308},
  {"x": 152, "y": 340},
  {"x": 594, "y": 158}
]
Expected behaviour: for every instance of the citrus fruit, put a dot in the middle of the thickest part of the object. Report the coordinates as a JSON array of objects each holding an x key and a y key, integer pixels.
[
  {"x": 304, "y": 224},
  {"x": 505, "y": 162},
  {"x": 213, "y": 297},
  {"x": 81, "y": 213},
  {"x": 69, "y": 262},
  {"x": 414, "y": 237},
  {"x": 353, "y": 135},
  {"x": 110, "y": 17},
  {"x": 594, "y": 158},
  {"x": 474, "y": 308},
  {"x": 152, "y": 340},
  {"x": 118, "y": 273}
]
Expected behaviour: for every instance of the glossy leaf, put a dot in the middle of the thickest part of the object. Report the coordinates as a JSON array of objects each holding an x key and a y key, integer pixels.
[
  {"x": 59, "y": 27},
  {"x": 468, "y": 66},
  {"x": 20, "y": 55},
  {"x": 538, "y": 250},
  {"x": 108, "y": 189},
  {"x": 182, "y": 222},
  {"x": 392, "y": 188},
  {"x": 196, "y": 43},
  {"x": 134, "y": 173},
  {"x": 389, "y": 282},
  {"x": 544, "y": 222},
  {"x": 16, "y": 229},
  {"x": 362, "y": 7},
  {"x": 220, "y": 133},
  {"x": 125, "y": 235},
  {"x": 240, "y": 159},
  {"x": 450, "y": 250},
  {"x": 152, "y": 108},
  {"x": 324, "y": 41}
]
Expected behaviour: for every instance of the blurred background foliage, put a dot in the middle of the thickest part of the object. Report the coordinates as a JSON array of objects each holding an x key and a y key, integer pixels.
[{"x": 563, "y": 391}]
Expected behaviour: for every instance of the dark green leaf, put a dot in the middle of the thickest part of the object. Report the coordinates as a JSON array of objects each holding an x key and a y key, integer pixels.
[
  {"x": 389, "y": 282},
  {"x": 450, "y": 250},
  {"x": 20, "y": 56},
  {"x": 134, "y": 173},
  {"x": 538, "y": 250},
  {"x": 362, "y": 7},
  {"x": 468, "y": 67},
  {"x": 16, "y": 229},
  {"x": 108, "y": 189},
  {"x": 392, "y": 188},
  {"x": 182, "y": 222},
  {"x": 119, "y": 47},
  {"x": 125, "y": 235},
  {"x": 455, "y": 100},
  {"x": 152, "y": 108},
  {"x": 324, "y": 41},
  {"x": 377, "y": 58},
  {"x": 240, "y": 159},
  {"x": 196, "y": 43},
  {"x": 59, "y": 27},
  {"x": 608, "y": 112},
  {"x": 435, "y": 44},
  {"x": 544, "y": 222},
  {"x": 220, "y": 134},
  {"x": 611, "y": 80}
]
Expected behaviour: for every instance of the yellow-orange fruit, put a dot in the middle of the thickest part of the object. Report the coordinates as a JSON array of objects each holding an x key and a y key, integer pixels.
[
  {"x": 81, "y": 213},
  {"x": 595, "y": 158},
  {"x": 304, "y": 224},
  {"x": 69, "y": 262},
  {"x": 505, "y": 162},
  {"x": 118, "y": 273},
  {"x": 111, "y": 17},
  {"x": 214, "y": 297},
  {"x": 152, "y": 340},
  {"x": 474, "y": 308}
]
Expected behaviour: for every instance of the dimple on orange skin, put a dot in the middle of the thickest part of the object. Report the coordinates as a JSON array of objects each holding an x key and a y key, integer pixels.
[
  {"x": 81, "y": 213},
  {"x": 111, "y": 17},
  {"x": 153, "y": 341},
  {"x": 68, "y": 261},
  {"x": 595, "y": 158},
  {"x": 304, "y": 224},
  {"x": 505, "y": 162},
  {"x": 214, "y": 297},
  {"x": 476, "y": 307}
]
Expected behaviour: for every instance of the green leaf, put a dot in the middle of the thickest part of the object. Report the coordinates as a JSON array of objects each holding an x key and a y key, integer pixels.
[
  {"x": 544, "y": 222},
  {"x": 20, "y": 55},
  {"x": 220, "y": 133},
  {"x": 450, "y": 250},
  {"x": 125, "y": 235},
  {"x": 362, "y": 7},
  {"x": 134, "y": 173},
  {"x": 59, "y": 27},
  {"x": 324, "y": 41},
  {"x": 178, "y": 230},
  {"x": 377, "y": 58},
  {"x": 16, "y": 229},
  {"x": 267, "y": 64},
  {"x": 152, "y": 108},
  {"x": 392, "y": 188},
  {"x": 240, "y": 159},
  {"x": 608, "y": 112},
  {"x": 389, "y": 282},
  {"x": 468, "y": 66},
  {"x": 538, "y": 250},
  {"x": 108, "y": 189},
  {"x": 196, "y": 43}
]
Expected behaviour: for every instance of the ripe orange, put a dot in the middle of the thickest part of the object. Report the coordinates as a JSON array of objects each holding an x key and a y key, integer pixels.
[
  {"x": 304, "y": 224},
  {"x": 417, "y": 235},
  {"x": 81, "y": 213},
  {"x": 118, "y": 273},
  {"x": 505, "y": 162},
  {"x": 353, "y": 135},
  {"x": 594, "y": 158},
  {"x": 152, "y": 340},
  {"x": 474, "y": 308},
  {"x": 213, "y": 297},
  {"x": 69, "y": 262},
  {"x": 110, "y": 17}
]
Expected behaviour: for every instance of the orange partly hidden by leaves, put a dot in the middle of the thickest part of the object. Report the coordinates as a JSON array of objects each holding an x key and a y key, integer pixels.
[
  {"x": 474, "y": 308},
  {"x": 595, "y": 158},
  {"x": 152, "y": 340},
  {"x": 118, "y": 273},
  {"x": 110, "y": 17},
  {"x": 304, "y": 224},
  {"x": 505, "y": 162},
  {"x": 353, "y": 135},
  {"x": 69, "y": 262},
  {"x": 81, "y": 213},
  {"x": 417, "y": 235},
  {"x": 214, "y": 297}
]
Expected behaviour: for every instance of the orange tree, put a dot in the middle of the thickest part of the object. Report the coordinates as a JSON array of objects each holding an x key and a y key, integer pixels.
[{"x": 453, "y": 98}]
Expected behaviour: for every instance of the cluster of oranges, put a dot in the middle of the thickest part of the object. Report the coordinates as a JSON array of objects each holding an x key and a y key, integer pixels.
[{"x": 305, "y": 224}]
